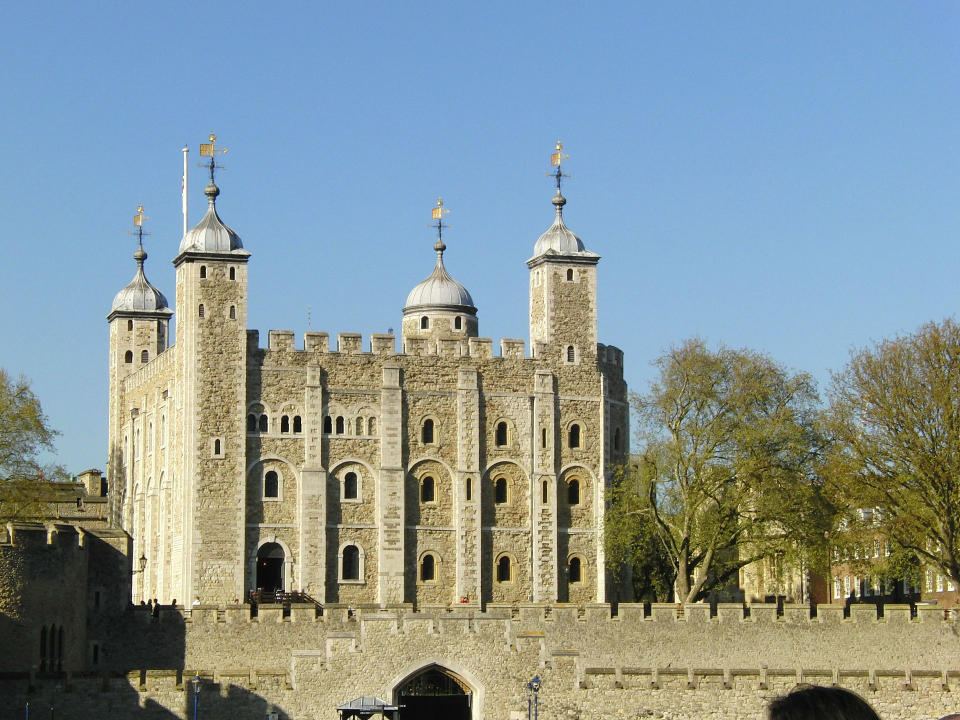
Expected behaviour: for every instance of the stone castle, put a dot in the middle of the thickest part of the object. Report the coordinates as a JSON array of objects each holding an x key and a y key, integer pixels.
[
  {"x": 432, "y": 519},
  {"x": 440, "y": 474}
]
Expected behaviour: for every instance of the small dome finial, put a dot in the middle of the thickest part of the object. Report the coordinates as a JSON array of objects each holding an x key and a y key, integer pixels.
[{"x": 140, "y": 254}]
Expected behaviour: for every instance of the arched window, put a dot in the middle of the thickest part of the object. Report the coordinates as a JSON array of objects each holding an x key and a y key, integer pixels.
[
  {"x": 350, "y": 566},
  {"x": 573, "y": 492},
  {"x": 297, "y": 424},
  {"x": 503, "y": 569},
  {"x": 203, "y": 271},
  {"x": 427, "y": 489},
  {"x": 233, "y": 312},
  {"x": 328, "y": 425},
  {"x": 216, "y": 447},
  {"x": 571, "y": 354},
  {"x": 500, "y": 490},
  {"x": 573, "y": 438},
  {"x": 569, "y": 274},
  {"x": 201, "y": 310},
  {"x": 573, "y": 570},
  {"x": 424, "y": 323},
  {"x": 251, "y": 423},
  {"x": 543, "y": 492},
  {"x": 350, "y": 486},
  {"x": 144, "y": 356},
  {"x": 359, "y": 425},
  {"x": 271, "y": 485},
  {"x": 264, "y": 423},
  {"x": 458, "y": 323},
  {"x": 233, "y": 273},
  {"x": 427, "y": 568},
  {"x": 426, "y": 432},
  {"x": 616, "y": 439},
  {"x": 128, "y": 356},
  {"x": 285, "y": 424},
  {"x": 340, "y": 425},
  {"x": 129, "y": 324},
  {"x": 469, "y": 488},
  {"x": 372, "y": 426},
  {"x": 501, "y": 435}
]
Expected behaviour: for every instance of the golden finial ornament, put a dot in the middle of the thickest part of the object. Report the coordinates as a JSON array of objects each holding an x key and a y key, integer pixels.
[
  {"x": 210, "y": 150},
  {"x": 439, "y": 210},
  {"x": 558, "y": 157}
]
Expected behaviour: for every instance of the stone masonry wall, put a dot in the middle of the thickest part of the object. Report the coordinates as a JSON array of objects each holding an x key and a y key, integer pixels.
[{"x": 634, "y": 664}]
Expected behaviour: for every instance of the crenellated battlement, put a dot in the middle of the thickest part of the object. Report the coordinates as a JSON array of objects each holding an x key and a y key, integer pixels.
[{"x": 386, "y": 344}]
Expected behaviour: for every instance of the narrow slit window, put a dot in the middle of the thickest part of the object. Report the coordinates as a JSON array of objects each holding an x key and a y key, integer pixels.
[
  {"x": 543, "y": 438},
  {"x": 427, "y": 490},
  {"x": 571, "y": 354},
  {"x": 427, "y": 568},
  {"x": 233, "y": 273},
  {"x": 144, "y": 356},
  {"x": 233, "y": 312},
  {"x": 458, "y": 323},
  {"x": 203, "y": 271},
  {"x": 350, "y": 567},
  {"x": 469, "y": 488},
  {"x": 350, "y": 486},
  {"x": 271, "y": 485},
  {"x": 216, "y": 447},
  {"x": 424, "y": 323},
  {"x": 503, "y": 569},
  {"x": 544, "y": 489},
  {"x": 201, "y": 310},
  {"x": 129, "y": 324},
  {"x": 570, "y": 275}
]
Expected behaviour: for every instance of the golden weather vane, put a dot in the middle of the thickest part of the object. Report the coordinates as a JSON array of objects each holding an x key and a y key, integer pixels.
[
  {"x": 138, "y": 224},
  {"x": 437, "y": 214},
  {"x": 556, "y": 159},
  {"x": 210, "y": 150}
]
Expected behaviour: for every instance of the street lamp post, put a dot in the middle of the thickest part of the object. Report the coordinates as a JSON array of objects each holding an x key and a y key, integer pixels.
[
  {"x": 196, "y": 694},
  {"x": 533, "y": 687}
]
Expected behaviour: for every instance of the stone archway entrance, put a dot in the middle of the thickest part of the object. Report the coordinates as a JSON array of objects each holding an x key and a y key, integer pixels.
[
  {"x": 434, "y": 692},
  {"x": 270, "y": 567}
]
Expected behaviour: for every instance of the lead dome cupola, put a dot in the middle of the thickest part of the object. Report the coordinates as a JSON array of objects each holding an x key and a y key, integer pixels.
[
  {"x": 440, "y": 290},
  {"x": 211, "y": 234},
  {"x": 139, "y": 296}
]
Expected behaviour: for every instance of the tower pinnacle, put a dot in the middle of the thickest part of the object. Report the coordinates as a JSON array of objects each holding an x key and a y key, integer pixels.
[
  {"x": 210, "y": 149},
  {"x": 437, "y": 214},
  {"x": 556, "y": 159}
]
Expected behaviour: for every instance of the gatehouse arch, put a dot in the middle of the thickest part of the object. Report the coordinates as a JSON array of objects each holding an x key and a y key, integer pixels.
[{"x": 436, "y": 690}]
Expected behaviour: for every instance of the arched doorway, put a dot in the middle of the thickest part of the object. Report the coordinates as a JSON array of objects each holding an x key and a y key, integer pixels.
[
  {"x": 434, "y": 692},
  {"x": 270, "y": 567}
]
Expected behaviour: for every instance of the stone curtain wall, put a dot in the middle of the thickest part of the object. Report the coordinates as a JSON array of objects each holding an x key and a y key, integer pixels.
[{"x": 592, "y": 665}]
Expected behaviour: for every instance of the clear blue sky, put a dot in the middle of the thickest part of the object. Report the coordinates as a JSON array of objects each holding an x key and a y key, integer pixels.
[{"x": 766, "y": 176}]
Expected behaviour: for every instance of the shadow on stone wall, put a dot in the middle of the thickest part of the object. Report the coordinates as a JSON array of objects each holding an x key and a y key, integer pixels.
[{"x": 125, "y": 661}]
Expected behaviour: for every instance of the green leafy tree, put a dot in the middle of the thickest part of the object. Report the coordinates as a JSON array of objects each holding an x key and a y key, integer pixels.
[
  {"x": 634, "y": 551},
  {"x": 895, "y": 419},
  {"x": 730, "y": 444},
  {"x": 24, "y": 434}
]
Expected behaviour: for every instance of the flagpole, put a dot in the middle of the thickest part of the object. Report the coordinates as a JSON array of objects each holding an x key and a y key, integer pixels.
[{"x": 183, "y": 188}]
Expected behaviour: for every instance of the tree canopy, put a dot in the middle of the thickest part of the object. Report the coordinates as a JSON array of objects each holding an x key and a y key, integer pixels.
[
  {"x": 895, "y": 419},
  {"x": 729, "y": 444},
  {"x": 25, "y": 433}
]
